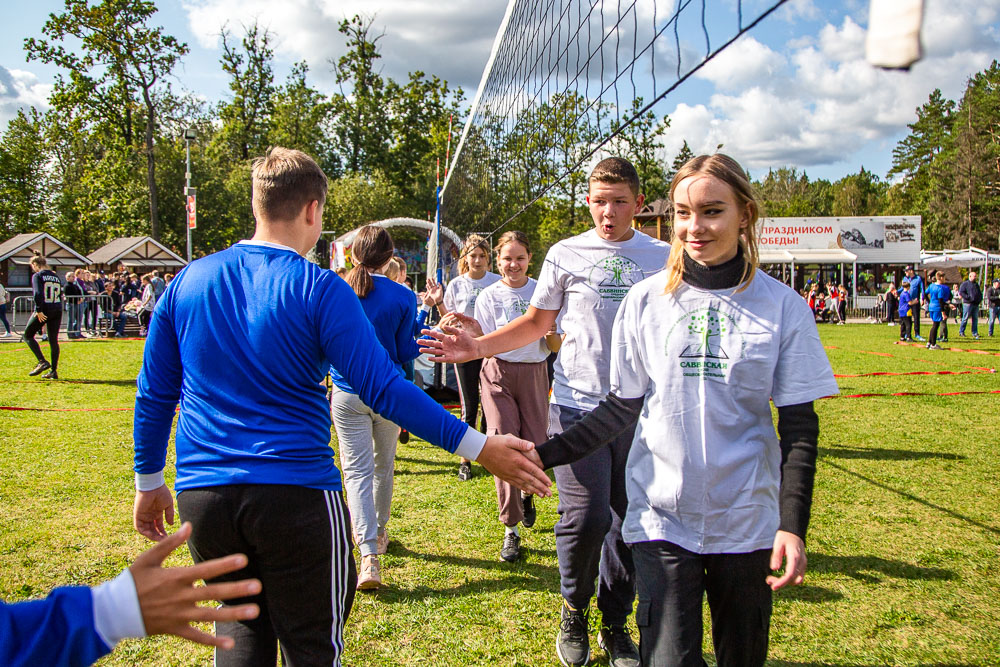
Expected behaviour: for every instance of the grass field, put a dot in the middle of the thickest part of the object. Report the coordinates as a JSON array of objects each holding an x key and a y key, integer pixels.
[{"x": 904, "y": 545}]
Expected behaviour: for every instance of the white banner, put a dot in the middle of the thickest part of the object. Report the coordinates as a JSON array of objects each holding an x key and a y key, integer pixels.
[{"x": 875, "y": 240}]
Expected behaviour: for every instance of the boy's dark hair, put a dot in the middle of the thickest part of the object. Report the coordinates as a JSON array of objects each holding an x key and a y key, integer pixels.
[
  {"x": 616, "y": 170},
  {"x": 284, "y": 182}
]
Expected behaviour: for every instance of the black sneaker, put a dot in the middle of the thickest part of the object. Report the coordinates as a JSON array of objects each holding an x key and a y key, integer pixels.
[
  {"x": 404, "y": 436},
  {"x": 528, "y": 503},
  {"x": 51, "y": 375},
  {"x": 40, "y": 368},
  {"x": 572, "y": 642},
  {"x": 511, "y": 549},
  {"x": 465, "y": 471},
  {"x": 618, "y": 644}
]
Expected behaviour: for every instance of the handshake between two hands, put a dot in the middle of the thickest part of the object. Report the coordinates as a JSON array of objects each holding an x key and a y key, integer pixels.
[{"x": 515, "y": 461}]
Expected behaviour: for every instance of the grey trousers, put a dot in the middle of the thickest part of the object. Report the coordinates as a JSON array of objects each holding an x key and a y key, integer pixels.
[{"x": 367, "y": 459}]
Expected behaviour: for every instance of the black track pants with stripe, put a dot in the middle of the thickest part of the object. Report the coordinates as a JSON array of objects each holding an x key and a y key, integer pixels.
[{"x": 298, "y": 545}]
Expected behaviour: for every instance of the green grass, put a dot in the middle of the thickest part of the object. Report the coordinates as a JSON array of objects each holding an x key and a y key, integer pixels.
[{"x": 904, "y": 543}]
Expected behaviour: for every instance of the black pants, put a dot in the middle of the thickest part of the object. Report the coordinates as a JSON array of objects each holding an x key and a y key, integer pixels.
[
  {"x": 467, "y": 377},
  {"x": 905, "y": 326},
  {"x": 671, "y": 583},
  {"x": 51, "y": 326},
  {"x": 934, "y": 331},
  {"x": 298, "y": 545},
  {"x": 589, "y": 544},
  {"x": 916, "y": 320}
]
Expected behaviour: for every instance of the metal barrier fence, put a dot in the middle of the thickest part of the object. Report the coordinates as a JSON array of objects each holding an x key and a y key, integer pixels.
[{"x": 77, "y": 314}]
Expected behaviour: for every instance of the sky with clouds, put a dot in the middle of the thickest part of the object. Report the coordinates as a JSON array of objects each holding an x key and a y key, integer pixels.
[{"x": 796, "y": 91}]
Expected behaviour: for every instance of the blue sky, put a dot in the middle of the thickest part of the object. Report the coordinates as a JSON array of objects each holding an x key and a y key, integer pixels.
[{"x": 795, "y": 92}]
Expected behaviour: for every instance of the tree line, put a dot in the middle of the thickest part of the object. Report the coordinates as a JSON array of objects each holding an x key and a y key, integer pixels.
[{"x": 106, "y": 160}]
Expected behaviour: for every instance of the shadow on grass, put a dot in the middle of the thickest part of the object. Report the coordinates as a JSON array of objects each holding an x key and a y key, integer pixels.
[
  {"x": 428, "y": 462},
  {"x": 113, "y": 383},
  {"x": 917, "y": 499},
  {"x": 522, "y": 575},
  {"x": 807, "y": 592},
  {"x": 868, "y": 568},
  {"x": 887, "y": 454}
]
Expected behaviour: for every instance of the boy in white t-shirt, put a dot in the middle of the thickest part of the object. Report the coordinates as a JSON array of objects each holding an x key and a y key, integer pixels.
[{"x": 585, "y": 277}]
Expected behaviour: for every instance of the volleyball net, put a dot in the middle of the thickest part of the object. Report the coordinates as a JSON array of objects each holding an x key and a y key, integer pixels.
[{"x": 565, "y": 78}]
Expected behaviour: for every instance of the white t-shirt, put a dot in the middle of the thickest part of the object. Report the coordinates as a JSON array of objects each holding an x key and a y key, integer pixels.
[
  {"x": 461, "y": 293},
  {"x": 500, "y": 304},
  {"x": 704, "y": 468},
  {"x": 586, "y": 278}
]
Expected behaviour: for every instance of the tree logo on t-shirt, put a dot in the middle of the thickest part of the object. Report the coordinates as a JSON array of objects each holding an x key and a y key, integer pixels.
[
  {"x": 614, "y": 275},
  {"x": 516, "y": 308},
  {"x": 703, "y": 354}
]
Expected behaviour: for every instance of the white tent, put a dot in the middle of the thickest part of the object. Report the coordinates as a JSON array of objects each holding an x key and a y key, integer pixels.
[{"x": 970, "y": 258}]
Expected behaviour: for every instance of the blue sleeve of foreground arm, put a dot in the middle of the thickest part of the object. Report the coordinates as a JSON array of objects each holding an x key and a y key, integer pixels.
[
  {"x": 350, "y": 344},
  {"x": 56, "y": 631},
  {"x": 158, "y": 389}
]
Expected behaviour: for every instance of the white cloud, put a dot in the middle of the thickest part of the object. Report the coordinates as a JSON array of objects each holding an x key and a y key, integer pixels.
[
  {"x": 451, "y": 40},
  {"x": 815, "y": 101},
  {"x": 20, "y": 90},
  {"x": 744, "y": 63}
]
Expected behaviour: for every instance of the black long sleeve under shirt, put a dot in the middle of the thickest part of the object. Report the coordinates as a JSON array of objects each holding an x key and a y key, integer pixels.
[{"x": 798, "y": 425}]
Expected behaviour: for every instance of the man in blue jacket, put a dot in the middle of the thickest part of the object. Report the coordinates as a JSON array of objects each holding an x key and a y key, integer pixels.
[
  {"x": 242, "y": 339},
  {"x": 972, "y": 296},
  {"x": 917, "y": 288},
  {"x": 76, "y": 625}
]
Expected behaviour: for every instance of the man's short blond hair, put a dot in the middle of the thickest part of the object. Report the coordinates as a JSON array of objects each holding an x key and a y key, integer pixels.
[{"x": 284, "y": 182}]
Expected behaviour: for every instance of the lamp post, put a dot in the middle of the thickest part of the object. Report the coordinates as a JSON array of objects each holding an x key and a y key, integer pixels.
[{"x": 189, "y": 192}]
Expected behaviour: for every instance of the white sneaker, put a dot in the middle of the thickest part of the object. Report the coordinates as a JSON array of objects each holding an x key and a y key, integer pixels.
[
  {"x": 4, "y": 334},
  {"x": 370, "y": 577}
]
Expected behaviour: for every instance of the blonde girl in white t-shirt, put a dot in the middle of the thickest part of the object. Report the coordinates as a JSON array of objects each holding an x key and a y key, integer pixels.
[
  {"x": 717, "y": 501},
  {"x": 513, "y": 385},
  {"x": 460, "y": 298}
]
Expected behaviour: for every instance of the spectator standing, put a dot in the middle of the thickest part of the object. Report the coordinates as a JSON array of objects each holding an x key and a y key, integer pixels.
[
  {"x": 956, "y": 304},
  {"x": 86, "y": 281},
  {"x": 116, "y": 314},
  {"x": 74, "y": 305},
  {"x": 917, "y": 288},
  {"x": 906, "y": 306},
  {"x": 159, "y": 285},
  {"x": 993, "y": 303},
  {"x": 148, "y": 302},
  {"x": 4, "y": 299},
  {"x": 972, "y": 296},
  {"x": 938, "y": 301},
  {"x": 842, "y": 304},
  {"x": 891, "y": 304}
]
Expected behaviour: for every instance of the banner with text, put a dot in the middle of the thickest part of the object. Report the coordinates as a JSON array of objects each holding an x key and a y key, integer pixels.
[{"x": 875, "y": 240}]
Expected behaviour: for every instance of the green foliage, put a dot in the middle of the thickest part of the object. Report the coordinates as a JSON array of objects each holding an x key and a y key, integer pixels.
[
  {"x": 354, "y": 200},
  {"x": 23, "y": 182},
  {"x": 246, "y": 118}
]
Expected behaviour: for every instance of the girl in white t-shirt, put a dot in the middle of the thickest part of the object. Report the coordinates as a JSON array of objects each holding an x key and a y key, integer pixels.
[
  {"x": 460, "y": 297},
  {"x": 716, "y": 500},
  {"x": 514, "y": 385}
]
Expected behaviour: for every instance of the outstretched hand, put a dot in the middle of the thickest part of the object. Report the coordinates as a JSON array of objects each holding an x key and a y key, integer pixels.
[
  {"x": 449, "y": 346},
  {"x": 149, "y": 511},
  {"x": 462, "y": 321},
  {"x": 515, "y": 461},
  {"x": 790, "y": 549},
  {"x": 168, "y": 598}
]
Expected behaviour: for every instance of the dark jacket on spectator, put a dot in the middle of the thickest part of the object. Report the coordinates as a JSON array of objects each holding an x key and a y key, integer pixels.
[
  {"x": 993, "y": 296},
  {"x": 970, "y": 292}
]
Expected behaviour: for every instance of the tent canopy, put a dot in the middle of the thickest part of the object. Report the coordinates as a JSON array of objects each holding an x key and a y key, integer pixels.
[
  {"x": 970, "y": 258},
  {"x": 829, "y": 256},
  {"x": 775, "y": 257}
]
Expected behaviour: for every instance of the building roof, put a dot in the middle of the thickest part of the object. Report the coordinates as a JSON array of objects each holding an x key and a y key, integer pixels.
[
  {"x": 20, "y": 249},
  {"x": 138, "y": 251},
  {"x": 654, "y": 209}
]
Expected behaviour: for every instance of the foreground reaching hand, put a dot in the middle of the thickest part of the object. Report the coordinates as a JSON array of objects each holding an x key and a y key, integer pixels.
[
  {"x": 434, "y": 293},
  {"x": 515, "y": 461},
  {"x": 790, "y": 548},
  {"x": 150, "y": 509},
  {"x": 168, "y": 597},
  {"x": 449, "y": 346}
]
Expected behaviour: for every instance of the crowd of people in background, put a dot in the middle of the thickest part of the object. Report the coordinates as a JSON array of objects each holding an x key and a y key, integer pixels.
[{"x": 827, "y": 304}]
